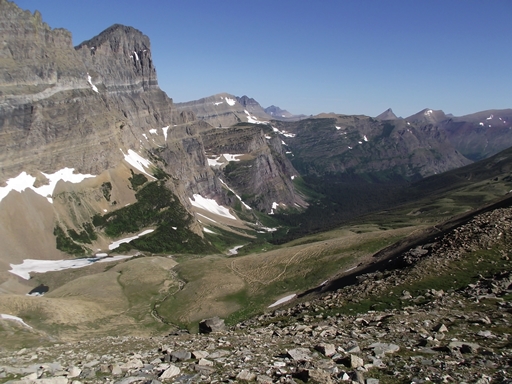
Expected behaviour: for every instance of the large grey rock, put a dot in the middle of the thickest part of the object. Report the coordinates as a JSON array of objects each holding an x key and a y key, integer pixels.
[
  {"x": 213, "y": 324},
  {"x": 380, "y": 349},
  {"x": 170, "y": 372},
  {"x": 300, "y": 354}
]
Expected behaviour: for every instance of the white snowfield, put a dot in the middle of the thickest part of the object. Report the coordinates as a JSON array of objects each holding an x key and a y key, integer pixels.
[
  {"x": 14, "y": 318},
  {"x": 283, "y": 300},
  {"x": 223, "y": 158},
  {"x": 164, "y": 130},
  {"x": 211, "y": 205},
  {"x": 234, "y": 251},
  {"x": 94, "y": 88},
  {"x": 24, "y": 181},
  {"x": 253, "y": 119},
  {"x": 137, "y": 161},
  {"x": 230, "y": 102},
  {"x": 284, "y": 133},
  {"x": 117, "y": 243},
  {"x": 41, "y": 266}
]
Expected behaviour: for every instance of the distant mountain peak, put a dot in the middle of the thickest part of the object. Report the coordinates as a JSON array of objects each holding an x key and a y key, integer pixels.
[{"x": 387, "y": 115}]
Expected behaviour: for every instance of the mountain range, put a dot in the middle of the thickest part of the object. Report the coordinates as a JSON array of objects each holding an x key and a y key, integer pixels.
[{"x": 97, "y": 161}]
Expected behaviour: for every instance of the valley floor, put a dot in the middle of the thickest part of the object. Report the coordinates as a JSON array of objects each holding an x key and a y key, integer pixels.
[{"x": 441, "y": 313}]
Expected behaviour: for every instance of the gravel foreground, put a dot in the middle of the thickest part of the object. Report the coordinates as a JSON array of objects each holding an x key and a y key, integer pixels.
[{"x": 452, "y": 336}]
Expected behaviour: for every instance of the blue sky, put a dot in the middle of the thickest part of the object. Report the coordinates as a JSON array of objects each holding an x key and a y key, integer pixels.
[{"x": 350, "y": 56}]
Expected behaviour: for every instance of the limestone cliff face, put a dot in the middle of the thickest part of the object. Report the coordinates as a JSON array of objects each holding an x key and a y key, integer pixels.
[
  {"x": 261, "y": 173},
  {"x": 90, "y": 108},
  {"x": 370, "y": 148}
]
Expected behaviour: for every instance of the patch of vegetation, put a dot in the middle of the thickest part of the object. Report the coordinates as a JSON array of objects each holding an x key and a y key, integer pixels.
[
  {"x": 160, "y": 174},
  {"x": 137, "y": 180},
  {"x": 66, "y": 244},
  {"x": 87, "y": 235},
  {"x": 156, "y": 206},
  {"x": 106, "y": 189}
]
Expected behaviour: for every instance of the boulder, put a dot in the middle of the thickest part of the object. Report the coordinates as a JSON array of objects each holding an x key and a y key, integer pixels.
[{"x": 213, "y": 324}]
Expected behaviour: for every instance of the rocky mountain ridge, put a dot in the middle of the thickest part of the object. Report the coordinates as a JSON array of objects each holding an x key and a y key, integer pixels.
[{"x": 95, "y": 113}]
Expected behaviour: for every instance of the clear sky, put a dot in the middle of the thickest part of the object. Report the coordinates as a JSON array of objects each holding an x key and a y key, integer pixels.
[{"x": 343, "y": 56}]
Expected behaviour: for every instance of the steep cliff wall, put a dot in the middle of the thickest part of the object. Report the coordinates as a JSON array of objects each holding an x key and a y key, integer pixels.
[{"x": 94, "y": 117}]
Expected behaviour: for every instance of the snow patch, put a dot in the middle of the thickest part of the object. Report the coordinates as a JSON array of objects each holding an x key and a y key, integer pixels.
[
  {"x": 164, "y": 130},
  {"x": 282, "y": 300},
  {"x": 218, "y": 103},
  {"x": 137, "y": 161},
  {"x": 223, "y": 158},
  {"x": 153, "y": 131},
  {"x": 136, "y": 56},
  {"x": 24, "y": 181},
  {"x": 365, "y": 138},
  {"x": 338, "y": 128},
  {"x": 14, "y": 318},
  {"x": 428, "y": 112},
  {"x": 274, "y": 206},
  {"x": 117, "y": 243},
  {"x": 230, "y": 102},
  {"x": 209, "y": 231},
  {"x": 211, "y": 205},
  {"x": 89, "y": 79},
  {"x": 234, "y": 251},
  {"x": 482, "y": 124},
  {"x": 253, "y": 119},
  {"x": 490, "y": 117},
  {"x": 41, "y": 266}
]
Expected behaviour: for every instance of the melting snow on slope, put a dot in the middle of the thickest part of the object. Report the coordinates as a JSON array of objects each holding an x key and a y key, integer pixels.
[
  {"x": 117, "y": 243},
  {"x": 230, "y": 102},
  {"x": 89, "y": 79},
  {"x": 14, "y": 318},
  {"x": 41, "y": 266},
  {"x": 284, "y": 133},
  {"x": 283, "y": 300},
  {"x": 137, "y": 161},
  {"x": 238, "y": 197},
  {"x": 223, "y": 158},
  {"x": 253, "y": 119},
  {"x": 211, "y": 205},
  {"x": 24, "y": 181},
  {"x": 164, "y": 130},
  {"x": 234, "y": 251}
]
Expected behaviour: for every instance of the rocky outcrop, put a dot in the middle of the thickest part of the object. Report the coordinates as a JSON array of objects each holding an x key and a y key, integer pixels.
[
  {"x": 261, "y": 173},
  {"x": 480, "y": 135},
  {"x": 224, "y": 110}
]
